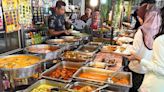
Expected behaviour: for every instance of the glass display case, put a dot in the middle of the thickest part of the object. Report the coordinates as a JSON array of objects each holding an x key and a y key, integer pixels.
[{"x": 9, "y": 41}]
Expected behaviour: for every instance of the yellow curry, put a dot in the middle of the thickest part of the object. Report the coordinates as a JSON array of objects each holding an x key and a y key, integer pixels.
[{"x": 18, "y": 61}]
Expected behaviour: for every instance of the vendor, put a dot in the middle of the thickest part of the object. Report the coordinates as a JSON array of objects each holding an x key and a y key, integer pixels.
[{"x": 57, "y": 21}]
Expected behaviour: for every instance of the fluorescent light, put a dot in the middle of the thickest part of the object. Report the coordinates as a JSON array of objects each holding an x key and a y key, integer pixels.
[
  {"x": 103, "y": 1},
  {"x": 93, "y": 3}
]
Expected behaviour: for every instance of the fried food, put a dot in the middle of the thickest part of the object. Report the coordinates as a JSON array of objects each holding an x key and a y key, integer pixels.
[{"x": 63, "y": 73}]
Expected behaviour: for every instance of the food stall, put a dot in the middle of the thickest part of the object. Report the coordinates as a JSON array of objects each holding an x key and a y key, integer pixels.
[{"x": 76, "y": 63}]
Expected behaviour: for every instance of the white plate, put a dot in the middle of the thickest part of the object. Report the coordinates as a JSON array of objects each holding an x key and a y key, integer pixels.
[{"x": 125, "y": 39}]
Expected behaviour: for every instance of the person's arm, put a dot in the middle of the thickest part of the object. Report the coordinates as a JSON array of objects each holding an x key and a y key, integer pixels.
[
  {"x": 156, "y": 65},
  {"x": 151, "y": 66},
  {"x": 137, "y": 43},
  {"x": 51, "y": 25},
  {"x": 56, "y": 33},
  {"x": 138, "y": 40}
]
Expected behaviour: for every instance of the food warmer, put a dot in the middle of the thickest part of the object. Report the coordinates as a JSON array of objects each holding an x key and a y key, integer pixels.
[
  {"x": 62, "y": 71},
  {"x": 121, "y": 81},
  {"x": 45, "y": 85},
  {"x": 44, "y": 51},
  {"x": 20, "y": 69}
]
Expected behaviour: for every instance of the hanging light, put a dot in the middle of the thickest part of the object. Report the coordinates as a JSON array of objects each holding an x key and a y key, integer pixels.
[
  {"x": 103, "y": 1},
  {"x": 93, "y": 3}
]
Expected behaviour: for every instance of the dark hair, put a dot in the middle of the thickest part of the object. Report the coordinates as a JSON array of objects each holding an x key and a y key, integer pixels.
[
  {"x": 161, "y": 31},
  {"x": 143, "y": 2},
  {"x": 149, "y": 1},
  {"x": 134, "y": 14},
  {"x": 59, "y": 4}
]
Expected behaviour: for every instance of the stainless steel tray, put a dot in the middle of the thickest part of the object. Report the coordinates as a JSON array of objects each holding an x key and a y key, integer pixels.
[
  {"x": 41, "y": 46},
  {"x": 74, "y": 59},
  {"x": 62, "y": 65},
  {"x": 95, "y": 43},
  {"x": 64, "y": 42},
  {"x": 83, "y": 84},
  {"x": 103, "y": 72},
  {"x": 111, "y": 62},
  {"x": 47, "y": 82},
  {"x": 97, "y": 65},
  {"x": 83, "y": 49},
  {"x": 22, "y": 72}
]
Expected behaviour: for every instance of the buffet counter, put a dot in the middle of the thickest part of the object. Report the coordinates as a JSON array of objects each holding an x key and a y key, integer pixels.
[{"x": 78, "y": 65}]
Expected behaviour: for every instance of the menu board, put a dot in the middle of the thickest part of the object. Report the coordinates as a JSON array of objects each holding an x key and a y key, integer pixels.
[
  {"x": 1, "y": 19},
  {"x": 10, "y": 15},
  {"x": 11, "y": 21},
  {"x": 25, "y": 12},
  {"x": 38, "y": 15},
  {"x": 9, "y": 5}
]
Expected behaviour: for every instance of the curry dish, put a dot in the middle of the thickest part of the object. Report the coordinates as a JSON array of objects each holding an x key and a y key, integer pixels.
[
  {"x": 95, "y": 76},
  {"x": 63, "y": 73},
  {"x": 20, "y": 61},
  {"x": 45, "y": 49}
]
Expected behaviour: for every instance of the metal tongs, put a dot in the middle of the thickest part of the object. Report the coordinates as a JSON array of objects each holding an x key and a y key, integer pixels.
[{"x": 125, "y": 63}]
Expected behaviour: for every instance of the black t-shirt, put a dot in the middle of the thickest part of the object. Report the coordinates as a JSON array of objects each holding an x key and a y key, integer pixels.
[{"x": 56, "y": 22}]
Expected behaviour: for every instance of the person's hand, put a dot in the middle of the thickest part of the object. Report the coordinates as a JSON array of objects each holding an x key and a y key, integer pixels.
[
  {"x": 136, "y": 57},
  {"x": 133, "y": 56},
  {"x": 67, "y": 32}
]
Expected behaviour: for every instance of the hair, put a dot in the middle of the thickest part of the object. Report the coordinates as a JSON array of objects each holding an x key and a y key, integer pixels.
[
  {"x": 143, "y": 2},
  {"x": 148, "y": 1},
  {"x": 161, "y": 31},
  {"x": 134, "y": 14},
  {"x": 59, "y": 4}
]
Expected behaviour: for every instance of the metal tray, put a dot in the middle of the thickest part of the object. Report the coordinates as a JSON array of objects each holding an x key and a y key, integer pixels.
[
  {"x": 88, "y": 49},
  {"x": 110, "y": 62},
  {"x": 47, "y": 82},
  {"x": 62, "y": 65},
  {"x": 56, "y": 41},
  {"x": 97, "y": 65},
  {"x": 41, "y": 46},
  {"x": 25, "y": 72},
  {"x": 103, "y": 72},
  {"x": 70, "y": 86},
  {"x": 95, "y": 43},
  {"x": 74, "y": 59},
  {"x": 64, "y": 42}
]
